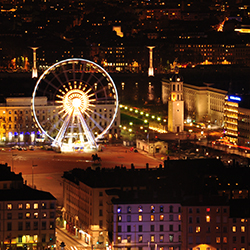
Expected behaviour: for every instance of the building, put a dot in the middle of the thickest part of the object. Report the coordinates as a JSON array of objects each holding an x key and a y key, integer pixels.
[
  {"x": 146, "y": 220},
  {"x": 17, "y": 123},
  {"x": 176, "y": 104},
  {"x": 27, "y": 215},
  {"x": 201, "y": 103}
]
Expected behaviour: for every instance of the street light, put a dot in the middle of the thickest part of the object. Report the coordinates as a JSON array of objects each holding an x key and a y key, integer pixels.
[{"x": 32, "y": 174}]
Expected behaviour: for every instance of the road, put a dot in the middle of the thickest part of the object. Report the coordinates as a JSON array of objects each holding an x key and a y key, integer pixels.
[{"x": 50, "y": 166}]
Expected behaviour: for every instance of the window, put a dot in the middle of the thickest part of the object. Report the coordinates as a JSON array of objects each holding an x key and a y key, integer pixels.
[
  {"x": 208, "y": 230},
  {"x": 9, "y": 206},
  {"x": 52, "y": 215},
  {"x": 171, "y": 228},
  {"x": 179, "y": 227},
  {"x": 190, "y": 220},
  {"x": 217, "y": 240},
  {"x": 27, "y": 215},
  {"x": 190, "y": 229},
  {"x": 119, "y": 210},
  {"x": 140, "y": 228},
  {"x": 100, "y": 194},
  {"x": 161, "y": 209},
  {"x": 224, "y": 239},
  {"x": 100, "y": 212},
  {"x": 36, "y": 215},
  {"x": 152, "y": 228},
  {"x": 190, "y": 210},
  {"x": 197, "y": 210},
  {"x": 171, "y": 238},
  {"x": 129, "y": 228},
  {"x": 44, "y": 215},
  {"x": 161, "y": 217},
  {"x": 20, "y": 215},
  {"x": 20, "y": 226},
  {"x": 242, "y": 229},
  {"x": 20, "y": 206},
  {"x": 152, "y": 209},
  {"x": 170, "y": 209},
  {"x": 51, "y": 225},
  {"x": 190, "y": 240},
  {"x": 208, "y": 240},
  {"x": 128, "y": 218},
  {"x": 152, "y": 238},
  {"x": 140, "y": 238},
  {"x": 207, "y": 218},
  {"x": 129, "y": 210},
  {"x": 152, "y": 217},
  {"x": 198, "y": 240},
  {"x": 35, "y": 205},
  {"x": 197, "y": 219},
  {"x": 217, "y": 210},
  {"x": 140, "y": 217},
  {"x": 100, "y": 203},
  {"x": 119, "y": 239},
  {"x": 119, "y": 218},
  {"x": 242, "y": 239},
  {"x": 43, "y": 225},
  {"x": 9, "y": 216},
  {"x": 224, "y": 229},
  {"x": 119, "y": 229},
  {"x": 224, "y": 210},
  {"x": 208, "y": 209},
  {"x": 27, "y": 206},
  {"x": 234, "y": 239},
  {"x": 140, "y": 209},
  {"x": 161, "y": 238},
  {"x": 171, "y": 217},
  {"x": 27, "y": 225},
  {"x": 44, "y": 205},
  {"x": 198, "y": 229},
  {"x": 128, "y": 238}
]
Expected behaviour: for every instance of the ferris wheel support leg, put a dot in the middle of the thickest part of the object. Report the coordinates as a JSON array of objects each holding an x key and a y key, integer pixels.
[
  {"x": 88, "y": 133},
  {"x": 59, "y": 138}
]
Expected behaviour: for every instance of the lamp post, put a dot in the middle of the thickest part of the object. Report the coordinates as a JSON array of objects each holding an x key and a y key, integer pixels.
[{"x": 33, "y": 174}]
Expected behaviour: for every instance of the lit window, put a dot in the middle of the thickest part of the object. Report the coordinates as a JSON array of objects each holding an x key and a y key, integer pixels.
[
  {"x": 9, "y": 206},
  {"x": 152, "y": 208},
  {"x": 161, "y": 217},
  {"x": 128, "y": 209},
  {"x": 35, "y": 205},
  {"x": 140, "y": 238},
  {"x": 20, "y": 206},
  {"x": 119, "y": 218},
  {"x": 27, "y": 215},
  {"x": 242, "y": 228},
  {"x": 161, "y": 238},
  {"x": 140, "y": 218},
  {"x": 27, "y": 205},
  {"x": 119, "y": 239},
  {"x": 224, "y": 239},
  {"x": 198, "y": 229},
  {"x": 152, "y": 238},
  {"x": 152, "y": 217},
  {"x": 119, "y": 209},
  {"x": 234, "y": 229},
  {"x": 36, "y": 215},
  {"x": 217, "y": 239},
  {"x": 44, "y": 215},
  {"x": 179, "y": 217},
  {"x": 207, "y": 218},
  {"x": 208, "y": 209},
  {"x": 140, "y": 209}
]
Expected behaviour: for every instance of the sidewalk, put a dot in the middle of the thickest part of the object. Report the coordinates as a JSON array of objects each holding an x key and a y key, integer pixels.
[{"x": 74, "y": 237}]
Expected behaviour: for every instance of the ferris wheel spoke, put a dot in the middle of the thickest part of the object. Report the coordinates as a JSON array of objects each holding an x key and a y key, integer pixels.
[
  {"x": 57, "y": 78},
  {"x": 65, "y": 73},
  {"x": 97, "y": 124},
  {"x": 55, "y": 126},
  {"x": 49, "y": 84}
]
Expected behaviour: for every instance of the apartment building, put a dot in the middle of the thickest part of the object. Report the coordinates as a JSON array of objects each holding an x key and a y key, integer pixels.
[{"x": 27, "y": 215}]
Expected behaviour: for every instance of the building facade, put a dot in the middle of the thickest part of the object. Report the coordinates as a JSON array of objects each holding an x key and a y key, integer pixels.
[
  {"x": 27, "y": 216},
  {"x": 146, "y": 226},
  {"x": 17, "y": 123}
]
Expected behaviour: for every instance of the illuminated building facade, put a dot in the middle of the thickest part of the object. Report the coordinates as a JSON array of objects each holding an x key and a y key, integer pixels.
[
  {"x": 201, "y": 104},
  {"x": 27, "y": 216},
  {"x": 17, "y": 124},
  {"x": 146, "y": 226},
  {"x": 231, "y": 115},
  {"x": 176, "y": 105}
]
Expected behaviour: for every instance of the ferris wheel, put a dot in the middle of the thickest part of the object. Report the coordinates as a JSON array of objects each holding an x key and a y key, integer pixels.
[{"x": 83, "y": 100}]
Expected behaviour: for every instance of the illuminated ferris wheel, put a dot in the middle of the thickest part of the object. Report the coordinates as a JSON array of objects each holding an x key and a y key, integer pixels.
[{"x": 80, "y": 91}]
